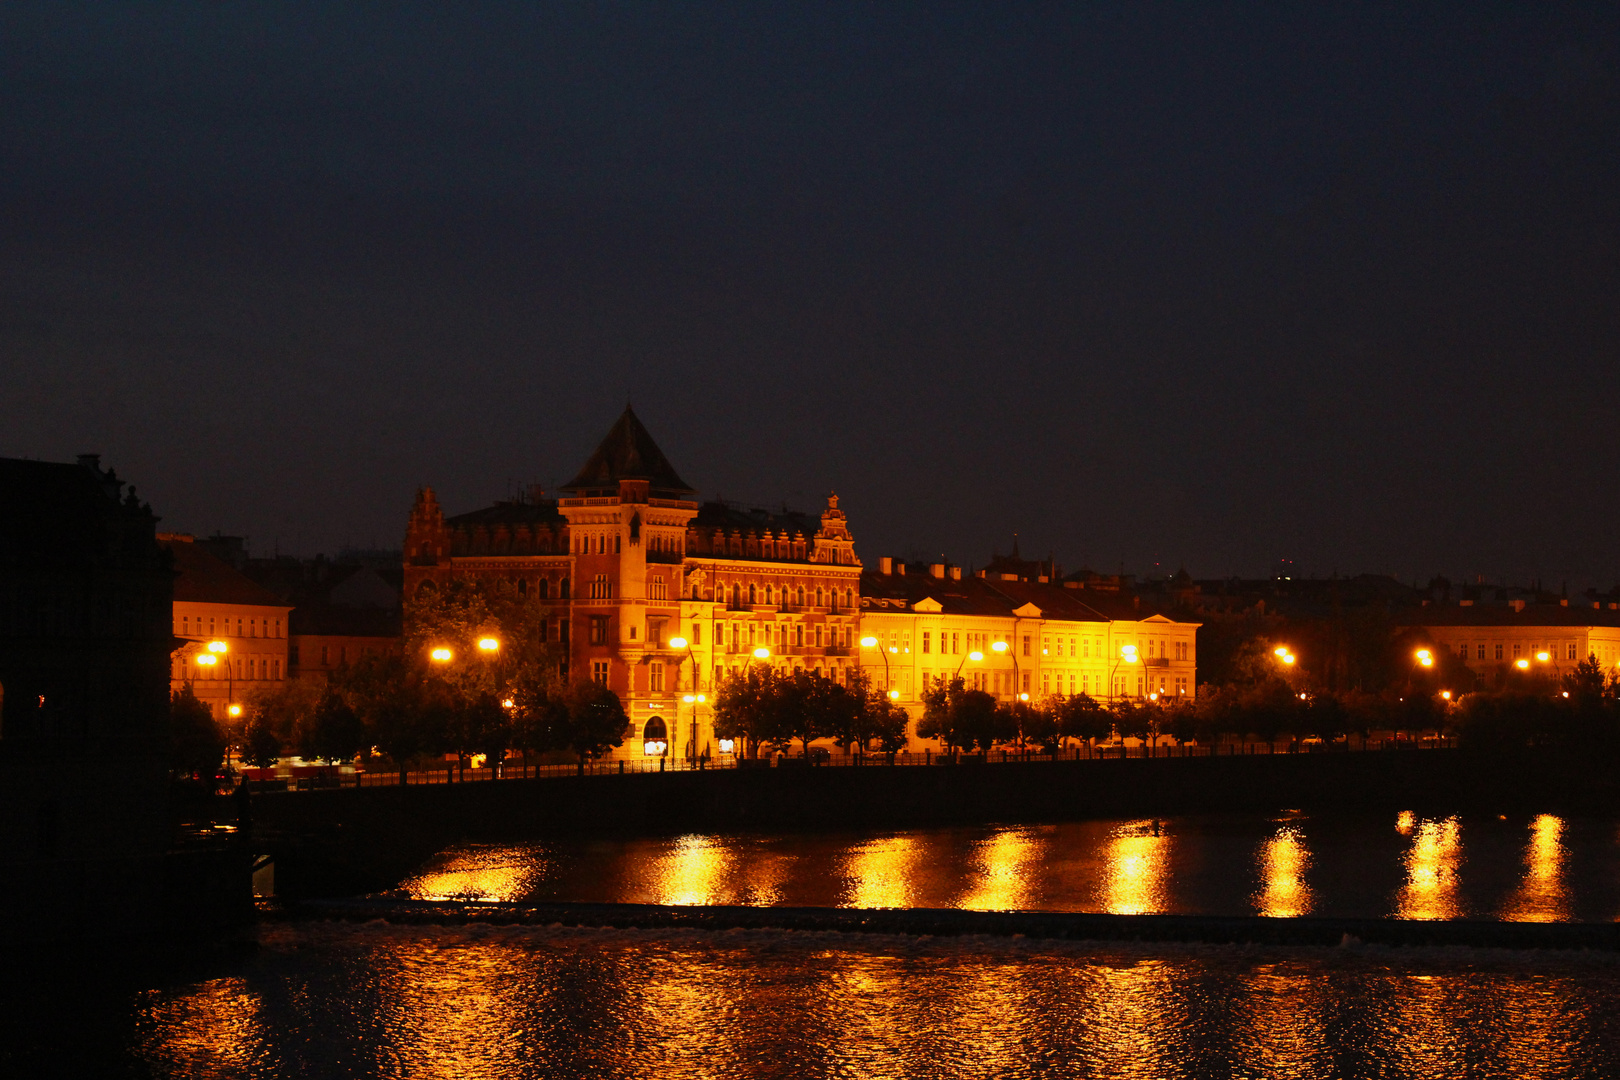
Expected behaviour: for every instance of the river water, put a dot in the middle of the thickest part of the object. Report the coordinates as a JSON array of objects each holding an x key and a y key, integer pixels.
[
  {"x": 348, "y": 1000},
  {"x": 1540, "y": 868}
]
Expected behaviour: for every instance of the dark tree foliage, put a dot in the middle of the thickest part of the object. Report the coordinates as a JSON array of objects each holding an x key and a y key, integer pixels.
[
  {"x": 334, "y": 733},
  {"x": 1081, "y": 717},
  {"x": 196, "y": 741},
  {"x": 596, "y": 720},
  {"x": 261, "y": 743}
]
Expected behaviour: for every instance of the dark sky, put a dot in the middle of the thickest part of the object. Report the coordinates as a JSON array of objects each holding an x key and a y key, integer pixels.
[{"x": 1172, "y": 285}]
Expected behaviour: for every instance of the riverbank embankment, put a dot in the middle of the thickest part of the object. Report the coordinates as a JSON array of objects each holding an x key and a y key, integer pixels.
[{"x": 356, "y": 840}]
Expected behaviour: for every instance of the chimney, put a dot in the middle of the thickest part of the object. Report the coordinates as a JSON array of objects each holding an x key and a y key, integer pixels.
[
  {"x": 956, "y": 574},
  {"x": 936, "y": 570},
  {"x": 899, "y": 566},
  {"x": 885, "y": 565}
]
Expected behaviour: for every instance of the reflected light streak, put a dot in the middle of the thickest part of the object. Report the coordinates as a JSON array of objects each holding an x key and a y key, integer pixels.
[
  {"x": 880, "y": 872},
  {"x": 1283, "y": 861},
  {"x": 692, "y": 872},
  {"x": 481, "y": 875},
  {"x": 1433, "y": 865},
  {"x": 1405, "y": 822},
  {"x": 1005, "y": 864},
  {"x": 1137, "y": 870},
  {"x": 1541, "y": 896}
]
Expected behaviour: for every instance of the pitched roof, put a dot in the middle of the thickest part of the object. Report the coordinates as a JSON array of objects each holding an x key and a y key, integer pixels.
[
  {"x": 204, "y": 579},
  {"x": 57, "y": 514},
  {"x": 998, "y": 599},
  {"x": 629, "y": 453},
  {"x": 1501, "y": 615}
]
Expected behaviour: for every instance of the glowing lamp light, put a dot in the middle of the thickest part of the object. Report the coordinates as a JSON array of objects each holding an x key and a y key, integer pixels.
[
  {"x": 975, "y": 656},
  {"x": 894, "y": 695},
  {"x": 236, "y": 710},
  {"x": 654, "y": 747},
  {"x": 762, "y": 653},
  {"x": 702, "y": 698},
  {"x": 1025, "y": 697},
  {"x": 1289, "y": 659},
  {"x": 508, "y": 703},
  {"x": 677, "y": 643},
  {"x": 440, "y": 654},
  {"x": 1446, "y": 694},
  {"x": 1128, "y": 653},
  {"x": 218, "y": 646},
  {"x": 488, "y": 644},
  {"x": 1427, "y": 661},
  {"x": 207, "y": 659},
  {"x": 689, "y": 699},
  {"x": 1566, "y": 693},
  {"x": 1522, "y": 665},
  {"x": 727, "y": 746},
  {"x": 868, "y": 642},
  {"x": 1155, "y": 697},
  {"x": 999, "y": 646},
  {"x": 1543, "y": 656},
  {"x": 1281, "y": 650}
]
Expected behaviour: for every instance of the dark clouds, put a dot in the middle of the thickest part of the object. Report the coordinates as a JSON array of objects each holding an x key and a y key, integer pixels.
[{"x": 1153, "y": 284}]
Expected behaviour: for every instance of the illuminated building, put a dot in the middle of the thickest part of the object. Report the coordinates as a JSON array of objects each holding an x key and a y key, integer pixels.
[
  {"x": 216, "y": 604},
  {"x": 630, "y": 562},
  {"x": 1549, "y": 638},
  {"x": 1057, "y": 638}
]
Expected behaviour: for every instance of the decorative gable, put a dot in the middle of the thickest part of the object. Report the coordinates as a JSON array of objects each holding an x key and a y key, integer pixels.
[
  {"x": 1028, "y": 611},
  {"x": 928, "y": 606}
]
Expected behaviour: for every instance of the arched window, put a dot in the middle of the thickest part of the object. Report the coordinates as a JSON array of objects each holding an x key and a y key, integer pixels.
[
  {"x": 655, "y": 729},
  {"x": 562, "y": 589},
  {"x": 752, "y": 595},
  {"x": 820, "y": 597},
  {"x": 545, "y": 588},
  {"x": 800, "y": 596}
]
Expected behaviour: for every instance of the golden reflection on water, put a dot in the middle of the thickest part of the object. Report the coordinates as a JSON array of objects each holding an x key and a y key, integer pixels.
[
  {"x": 1136, "y": 871},
  {"x": 692, "y": 872},
  {"x": 478, "y": 874},
  {"x": 1125, "y": 1013},
  {"x": 213, "y": 1030},
  {"x": 453, "y": 1013},
  {"x": 1405, "y": 822},
  {"x": 1283, "y": 861},
  {"x": 1283, "y": 1021},
  {"x": 1004, "y": 865},
  {"x": 1541, "y": 896},
  {"x": 880, "y": 872},
  {"x": 1433, "y": 866}
]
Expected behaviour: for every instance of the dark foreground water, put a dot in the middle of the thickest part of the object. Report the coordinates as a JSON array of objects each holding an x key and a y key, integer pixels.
[
  {"x": 337, "y": 1000},
  {"x": 1540, "y": 868},
  {"x": 347, "y": 1000}
]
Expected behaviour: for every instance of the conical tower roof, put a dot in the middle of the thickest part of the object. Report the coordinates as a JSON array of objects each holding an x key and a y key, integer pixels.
[{"x": 629, "y": 453}]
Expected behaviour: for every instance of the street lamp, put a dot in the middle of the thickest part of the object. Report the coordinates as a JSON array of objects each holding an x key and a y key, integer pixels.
[
  {"x": 210, "y": 657},
  {"x": 679, "y": 642},
  {"x": 488, "y": 644},
  {"x": 1127, "y": 655},
  {"x": 441, "y": 655},
  {"x": 1003, "y": 647},
  {"x": 870, "y": 642}
]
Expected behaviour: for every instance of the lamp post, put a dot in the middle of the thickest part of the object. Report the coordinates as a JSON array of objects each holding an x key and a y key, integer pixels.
[
  {"x": 210, "y": 657},
  {"x": 1127, "y": 655},
  {"x": 1018, "y": 689},
  {"x": 692, "y": 699},
  {"x": 870, "y": 642}
]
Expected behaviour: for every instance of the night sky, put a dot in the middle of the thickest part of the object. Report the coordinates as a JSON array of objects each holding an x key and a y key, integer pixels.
[{"x": 1149, "y": 285}]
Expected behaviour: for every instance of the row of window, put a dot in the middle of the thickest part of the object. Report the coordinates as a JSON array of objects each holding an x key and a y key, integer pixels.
[
  {"x": 221, "y": 626},
  {"x": 238, "y": 668},
  {"x": 951, "y": 643},
  {"x": 1500, "y": 650},
  {"x": 770, "y": 595}
]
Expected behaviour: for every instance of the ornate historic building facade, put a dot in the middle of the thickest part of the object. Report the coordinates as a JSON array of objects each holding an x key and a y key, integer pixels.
[{"x": 632, "y": 563}]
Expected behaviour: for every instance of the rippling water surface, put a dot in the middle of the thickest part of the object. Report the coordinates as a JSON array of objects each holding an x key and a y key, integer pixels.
[
  {"x": 361, "y": 1001},
  {"x": 1539, "y": 869}
]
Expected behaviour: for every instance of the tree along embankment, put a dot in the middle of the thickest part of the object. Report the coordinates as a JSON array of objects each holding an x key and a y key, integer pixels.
[{"x": 353, "y": 840}]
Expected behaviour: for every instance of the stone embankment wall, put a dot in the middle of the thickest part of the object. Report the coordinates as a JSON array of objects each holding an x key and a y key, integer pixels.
[{"x": 357, "y": 840}]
